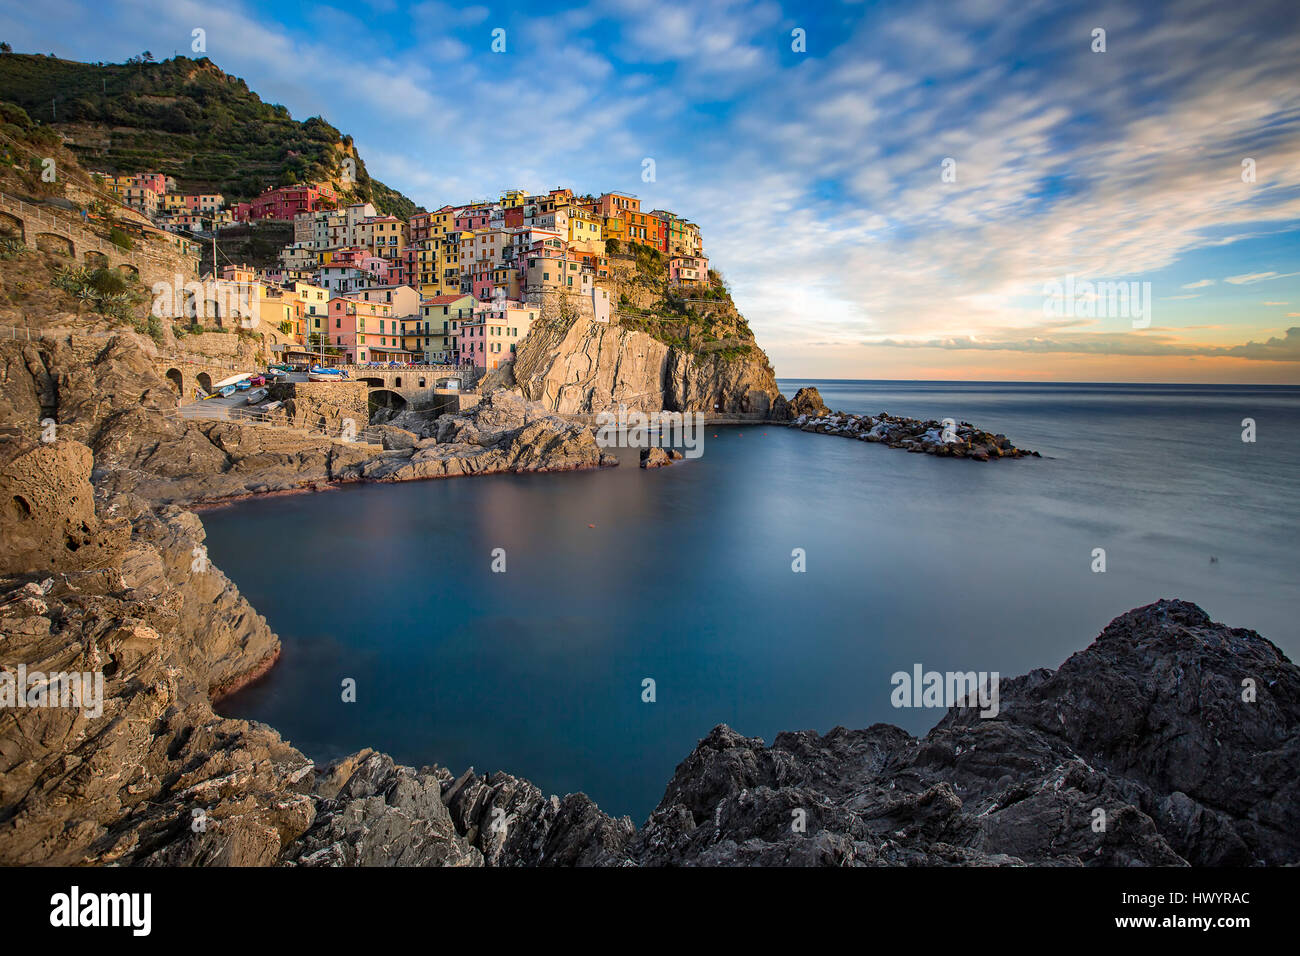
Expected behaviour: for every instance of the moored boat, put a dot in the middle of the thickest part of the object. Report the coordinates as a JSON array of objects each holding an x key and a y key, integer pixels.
[
  {"x": 255, "y": 396},
  {"x": 318, "y": 373}
]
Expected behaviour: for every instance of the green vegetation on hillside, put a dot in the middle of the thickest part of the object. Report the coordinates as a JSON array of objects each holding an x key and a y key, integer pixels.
[
  {"x": 701, "y": 319},
  {"x": 185, "y": 118}
]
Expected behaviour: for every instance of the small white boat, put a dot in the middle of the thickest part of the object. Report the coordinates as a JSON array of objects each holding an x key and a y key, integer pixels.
[
  {"x": 321, "y": 374},
  {"x": 271, "y": 406},
  {"x": 256, "y": 395},
  {"x": 232, "y": 380}
]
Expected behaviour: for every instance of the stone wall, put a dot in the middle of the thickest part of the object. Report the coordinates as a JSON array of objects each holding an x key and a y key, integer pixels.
[{"x": 322, "y": 404}]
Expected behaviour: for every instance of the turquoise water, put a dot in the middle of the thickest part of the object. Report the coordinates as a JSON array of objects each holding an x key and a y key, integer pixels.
[{"x": 686, "y": 578}]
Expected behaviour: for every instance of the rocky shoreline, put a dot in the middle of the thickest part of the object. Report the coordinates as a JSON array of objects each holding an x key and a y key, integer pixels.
[
  {"x": 103, "y": 570},
  {"x": 949, "y": 439}
]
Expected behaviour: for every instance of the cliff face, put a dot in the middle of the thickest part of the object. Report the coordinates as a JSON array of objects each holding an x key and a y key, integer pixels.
[
  {"x": 577, "y": 366},
  {"x": 666, "y": 347}
]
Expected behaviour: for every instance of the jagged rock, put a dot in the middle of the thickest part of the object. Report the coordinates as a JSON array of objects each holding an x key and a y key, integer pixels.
[
  {"x": 1147, "y": 724},
  {"x": 148, "y": 773},
  {"x": 655, "y": 458},
  {"x": 806, "y": 401},
  {"x": 502, "y": 433},
  {"x": 381, "y": 815},
  {"x": 393, "y": 437}
]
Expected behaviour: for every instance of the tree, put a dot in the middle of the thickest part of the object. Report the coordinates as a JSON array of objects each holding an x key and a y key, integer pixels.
[
  {"x": 146, "y": 56},
  {"x": 6, "y": 48}
]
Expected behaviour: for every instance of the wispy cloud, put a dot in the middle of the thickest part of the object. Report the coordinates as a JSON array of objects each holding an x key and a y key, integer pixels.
[{"x": 817, "y": 177}]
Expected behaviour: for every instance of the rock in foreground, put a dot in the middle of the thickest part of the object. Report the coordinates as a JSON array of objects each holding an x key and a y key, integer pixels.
[{"x": 1146, "y": 729}]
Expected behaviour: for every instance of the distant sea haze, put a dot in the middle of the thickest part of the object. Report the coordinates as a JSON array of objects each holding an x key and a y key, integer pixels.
[{"x": 686, "y": 577}]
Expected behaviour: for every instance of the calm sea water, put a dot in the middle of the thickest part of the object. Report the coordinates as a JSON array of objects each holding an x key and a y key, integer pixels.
[{"x": 686, "y": 578}]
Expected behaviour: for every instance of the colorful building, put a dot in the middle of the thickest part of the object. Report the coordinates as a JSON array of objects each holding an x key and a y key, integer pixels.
[
  {"x": 286, "y": 202},
  {"x": 360, "y": 331},
  {"x": 490, "y": 337},
  {"x": 440, "y": 319},
  {"x": 688, "y": 270}
]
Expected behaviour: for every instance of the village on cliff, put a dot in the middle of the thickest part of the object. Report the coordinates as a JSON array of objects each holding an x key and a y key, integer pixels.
[{"x": 460, "y": 285}]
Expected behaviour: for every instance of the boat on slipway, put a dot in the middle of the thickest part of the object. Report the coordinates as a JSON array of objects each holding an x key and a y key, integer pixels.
[{"x": 232, "y": 380}]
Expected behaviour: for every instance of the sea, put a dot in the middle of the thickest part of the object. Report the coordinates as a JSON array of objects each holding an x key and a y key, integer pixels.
[{"x": 585, "y": 630}]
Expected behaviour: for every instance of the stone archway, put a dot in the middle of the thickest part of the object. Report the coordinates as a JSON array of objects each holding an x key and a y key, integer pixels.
[
  {"x": 11, "y": 225},
  {"x": 385, "y": 398},
  {"x": 127, "y": 269},
  {"x": 56, "y": 244},
  {"x": 96, "y": 260},
  {"x": 205, "y": 381},
  {"x": 177, "y": 380}
]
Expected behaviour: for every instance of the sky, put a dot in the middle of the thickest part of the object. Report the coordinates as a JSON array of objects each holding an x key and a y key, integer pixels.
[{"x": 892, "y": 190}]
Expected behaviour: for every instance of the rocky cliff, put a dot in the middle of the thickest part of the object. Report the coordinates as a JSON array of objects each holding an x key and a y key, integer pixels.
[{"x": 574, "y": 365}]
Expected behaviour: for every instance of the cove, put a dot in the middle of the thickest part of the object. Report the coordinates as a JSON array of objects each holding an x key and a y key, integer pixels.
[{"x": 686, "y": 579}]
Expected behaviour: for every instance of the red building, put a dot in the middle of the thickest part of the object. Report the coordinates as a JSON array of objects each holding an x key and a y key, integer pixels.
[{"x": 286, "y": 202}]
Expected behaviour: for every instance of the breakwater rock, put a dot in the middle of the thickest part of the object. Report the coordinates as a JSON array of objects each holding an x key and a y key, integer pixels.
[{"x": 946, "y": 439}]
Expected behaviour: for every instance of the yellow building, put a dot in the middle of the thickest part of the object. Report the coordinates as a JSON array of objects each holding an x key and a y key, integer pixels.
[
  {"x": 384, "y": 236},
  {"x": 586, "y": 232}
]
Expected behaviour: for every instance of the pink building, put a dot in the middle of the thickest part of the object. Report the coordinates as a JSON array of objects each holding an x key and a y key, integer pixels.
[
  {"x": 155, "y": 182},
  {"x": 360, "y": 331},
  {"x": 468, "y": 219},
  {"x": 688, "y": 270},
  {"x": 490, "y": 338}
]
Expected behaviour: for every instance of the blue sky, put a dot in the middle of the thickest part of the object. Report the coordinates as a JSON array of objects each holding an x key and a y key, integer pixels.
[{"x": 816, "y": 176}]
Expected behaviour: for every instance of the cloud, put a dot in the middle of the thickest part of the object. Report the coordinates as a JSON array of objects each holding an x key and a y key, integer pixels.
[
  {"x": 1253, "y": 277},
  {"x": 1199, "y": 284},
  {"x": 1286, "y": 349}
]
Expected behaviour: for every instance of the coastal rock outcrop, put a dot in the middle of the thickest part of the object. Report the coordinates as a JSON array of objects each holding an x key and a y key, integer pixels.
[
  {"x": 103, "y": 390},
  {"x": 137, "y": 769},
  {"x": 806, "y": 402},
  {"x": 945, "y": 439},
  {"x": 1141, "y": 749},
  {"x": 502, "y": 433},
  {"x": 580, "y": 366}
]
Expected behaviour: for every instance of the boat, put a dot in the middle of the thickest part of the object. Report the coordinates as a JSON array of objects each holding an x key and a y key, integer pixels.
[
  {"x": 255, "y": 396},
  {"x": 244, "y": 384},
  {"x": 271, "y": 406},
  {"x": 226, "y": 392},
  {"x": 321, "y": 374},
  {"x": 231, "y": 380},
  {"x": 258, "y": 381}
]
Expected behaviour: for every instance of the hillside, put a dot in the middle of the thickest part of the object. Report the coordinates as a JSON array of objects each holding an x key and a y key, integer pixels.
[{"x": 185, "y": 118}]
